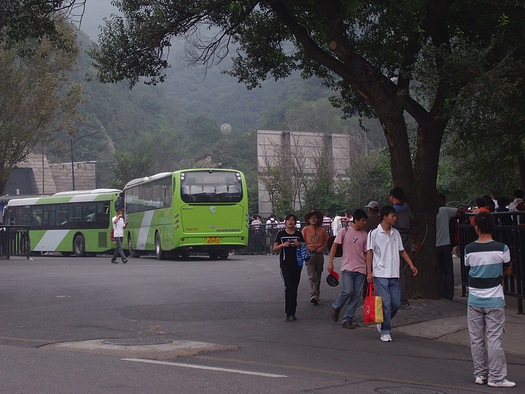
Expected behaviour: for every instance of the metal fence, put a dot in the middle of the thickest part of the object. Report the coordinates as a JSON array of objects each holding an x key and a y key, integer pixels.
[
  {"x": 14, "y": 241},
  {"x": 260, "y": 241},
  {"x": 511, "y": 234}
]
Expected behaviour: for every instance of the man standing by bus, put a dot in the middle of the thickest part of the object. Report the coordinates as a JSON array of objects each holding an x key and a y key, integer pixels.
[{"x": 118, "y": 233}]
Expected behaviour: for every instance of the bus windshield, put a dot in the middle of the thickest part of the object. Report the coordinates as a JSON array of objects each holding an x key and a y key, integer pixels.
[{"x": 211, "y": 186}]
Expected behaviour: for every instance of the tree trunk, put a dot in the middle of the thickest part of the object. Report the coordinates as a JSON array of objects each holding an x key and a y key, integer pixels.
[{"x": 419, "y": 185}]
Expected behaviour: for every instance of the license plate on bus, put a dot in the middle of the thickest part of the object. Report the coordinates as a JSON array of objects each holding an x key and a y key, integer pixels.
[{"x": 213, "y": 240}]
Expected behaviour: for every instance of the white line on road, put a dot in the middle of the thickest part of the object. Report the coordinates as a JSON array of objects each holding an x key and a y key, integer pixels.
[{"x": 140, "y": 360}]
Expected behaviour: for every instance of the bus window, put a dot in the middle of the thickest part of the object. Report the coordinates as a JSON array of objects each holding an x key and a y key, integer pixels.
[
  {"x": 36, "y": 216},
  {"x": 89, "y": 213},
  {"x": 48, "y": 219},
  {"x": 22, "y": 216},
  {"x": 75, "y": 215},
  {"x": 62, "y": 214}
]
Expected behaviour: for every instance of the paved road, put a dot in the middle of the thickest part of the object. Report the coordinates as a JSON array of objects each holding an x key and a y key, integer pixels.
[{"x": 84, "y": 325}]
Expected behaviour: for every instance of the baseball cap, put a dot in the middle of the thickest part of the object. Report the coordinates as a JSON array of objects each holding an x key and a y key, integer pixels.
[
  {"x": 332, "y": 279},
  {"x": 373, "y": 205}
]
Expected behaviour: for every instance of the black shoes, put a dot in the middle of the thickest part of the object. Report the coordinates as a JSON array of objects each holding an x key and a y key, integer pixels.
[
  {"x": 335, "y": 314},
  {"x": 314, "y": 300},
  {"x": 124, "y": 261},
  {"x": 114, "y": 261}
]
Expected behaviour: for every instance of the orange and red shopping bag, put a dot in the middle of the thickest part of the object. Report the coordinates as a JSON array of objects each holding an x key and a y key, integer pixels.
[{"x": 373, "y": 307}]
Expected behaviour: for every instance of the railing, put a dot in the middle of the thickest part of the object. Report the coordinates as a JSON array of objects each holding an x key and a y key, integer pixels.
[
  {"x": 260, "y": 241},
  {"x": 14, "y": 241},
  {"x": 511, "y": 234}
]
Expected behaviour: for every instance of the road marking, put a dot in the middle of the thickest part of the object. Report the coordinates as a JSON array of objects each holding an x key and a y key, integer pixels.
[{"x": 267, "y": 375}]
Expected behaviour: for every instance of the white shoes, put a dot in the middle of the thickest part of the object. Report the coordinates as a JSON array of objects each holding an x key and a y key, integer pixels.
[
  {"x": 502, "y": 383},
  {"x": 384, "y": 337},
  {"x": 481, "y": 380}
]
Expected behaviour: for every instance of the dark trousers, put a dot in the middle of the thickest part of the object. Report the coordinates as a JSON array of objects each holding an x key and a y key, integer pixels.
[
  {"x": 291, "y": 274},
  {"x": 445, "y": 271},
  {"x": 118, "y": 250}
]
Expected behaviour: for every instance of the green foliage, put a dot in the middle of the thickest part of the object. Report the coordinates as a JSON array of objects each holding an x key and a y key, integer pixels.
[
  {"x": 37, "y": 98},
  {"x": 129, "y": 166},
  {"x": 368, "y": 179},
  {"x": 22, "y": 20}
]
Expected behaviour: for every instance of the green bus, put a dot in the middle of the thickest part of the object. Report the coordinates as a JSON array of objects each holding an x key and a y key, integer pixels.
[
  {"x": 72, "y": 223},
  {"x": 193, "y": 211}
]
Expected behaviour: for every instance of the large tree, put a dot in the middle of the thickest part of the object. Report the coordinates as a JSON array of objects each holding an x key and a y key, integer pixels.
[
  {"x": 21, "y": 20},
  {"x": 400, "y": 61},
  {"x": 37, "y": 98}
]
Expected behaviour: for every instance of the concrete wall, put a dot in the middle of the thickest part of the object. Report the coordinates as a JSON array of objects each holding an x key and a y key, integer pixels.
[
  {"x": 50, "y": 178},
  {"x": 303, "y": 149}
]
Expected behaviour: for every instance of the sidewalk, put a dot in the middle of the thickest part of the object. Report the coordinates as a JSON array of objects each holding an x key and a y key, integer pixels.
[{"x": 446, "y": 321}]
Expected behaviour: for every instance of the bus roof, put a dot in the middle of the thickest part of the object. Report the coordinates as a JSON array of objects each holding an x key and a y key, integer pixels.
[
  {"x": 93, "y": 191},
  {"x": 146, "y": 179},
  {"x": 65, "y": 197}
]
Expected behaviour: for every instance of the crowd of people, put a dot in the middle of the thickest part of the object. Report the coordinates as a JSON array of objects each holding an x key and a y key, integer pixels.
[{"x": 377, "y": 250}]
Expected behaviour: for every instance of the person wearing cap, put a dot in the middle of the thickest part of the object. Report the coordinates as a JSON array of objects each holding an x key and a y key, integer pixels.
[
  {"x": 286, "y": 243},
  {"x": 373, "y": 216},
  {"x": 315, "y": 237},
  {"x": 384, "y": 252},
  {"x": 353, "y": 268}
]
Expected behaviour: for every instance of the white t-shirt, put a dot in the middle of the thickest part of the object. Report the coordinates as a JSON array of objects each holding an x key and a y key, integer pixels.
[
  {"x": 118, "y": 227},
  {"x": 385, "y": 249}
]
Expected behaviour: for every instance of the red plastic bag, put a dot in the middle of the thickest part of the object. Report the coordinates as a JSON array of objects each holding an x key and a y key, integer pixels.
[
  {"x": 373, "y": 307},
  {"x": 112, "y": 236}
]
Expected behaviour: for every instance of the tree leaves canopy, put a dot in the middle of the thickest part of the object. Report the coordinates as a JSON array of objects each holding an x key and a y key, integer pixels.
[{"x": 37, "y": 99}]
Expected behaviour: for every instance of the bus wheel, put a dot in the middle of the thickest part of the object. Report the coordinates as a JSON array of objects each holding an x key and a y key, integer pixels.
[
  {"x": 223, "y": 255},
  {"x": 79, "y": 246},
  {"x": 131, "y": 250},
  {"x": 158, "y": 249},
  {"x": 214, "y": 256}
]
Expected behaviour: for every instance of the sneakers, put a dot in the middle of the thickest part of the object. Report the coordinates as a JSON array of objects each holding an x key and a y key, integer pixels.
[
  {"x": 481, "y": 380},
  {"x": 405, "y": 305},
  {"x": 289, "y": 318},
  {"x": 335, "y": 314},
  {"x": 349, "y": 324},
  {"x": 502, "y": 383},
  {"x": 386, "y": 338},
  {"x": 314, "y": 300},
  {"x": 114, "y": 261},
  {"x": 124, "y": 261}
]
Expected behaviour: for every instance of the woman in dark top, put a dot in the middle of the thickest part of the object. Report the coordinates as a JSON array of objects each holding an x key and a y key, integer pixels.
[{"x": 286, "y": 242}]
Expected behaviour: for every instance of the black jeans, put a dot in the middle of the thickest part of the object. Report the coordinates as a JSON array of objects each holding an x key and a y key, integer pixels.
[
  {"x": 291, "y": 274},
  {"x": 445, "y": 271}
]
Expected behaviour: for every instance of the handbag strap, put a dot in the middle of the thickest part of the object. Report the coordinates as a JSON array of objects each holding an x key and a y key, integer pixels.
[{"x": 370, "y": 290}]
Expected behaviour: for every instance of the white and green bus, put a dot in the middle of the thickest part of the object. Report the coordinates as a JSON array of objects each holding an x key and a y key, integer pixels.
[
  {"x": 193, "y": 211},
  {"x": 77, "y": 222}
]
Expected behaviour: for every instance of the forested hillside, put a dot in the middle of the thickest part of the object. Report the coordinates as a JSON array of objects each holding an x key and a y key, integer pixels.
[{"x": 177, "y": 124}]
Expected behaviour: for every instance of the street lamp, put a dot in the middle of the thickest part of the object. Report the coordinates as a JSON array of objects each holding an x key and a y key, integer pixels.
[{"x": 72, "y": 161}]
